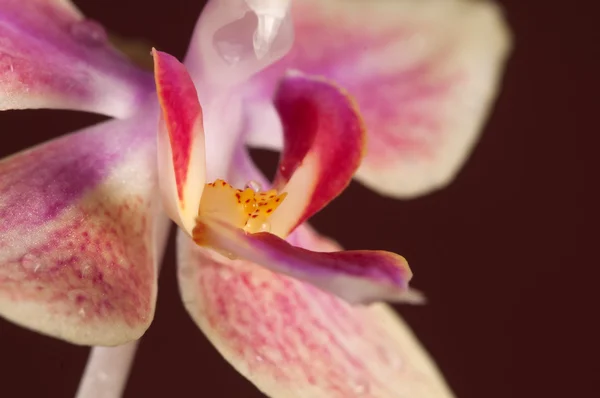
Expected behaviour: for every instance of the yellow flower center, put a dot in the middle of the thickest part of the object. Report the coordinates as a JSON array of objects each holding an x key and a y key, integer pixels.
[{"x": 248, "y": 209}]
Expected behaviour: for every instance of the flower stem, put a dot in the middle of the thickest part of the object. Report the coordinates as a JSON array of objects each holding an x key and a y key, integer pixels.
[{"x": 107, "y": 371}]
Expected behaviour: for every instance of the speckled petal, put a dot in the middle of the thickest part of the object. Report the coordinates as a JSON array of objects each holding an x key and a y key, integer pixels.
[
  {"x": 324, "y": 140},
  {"x": 292, "y": 340},
  {"x": 80, "y": 232},
  {"x": 52, "y": 57},
  {"x": 424, "y": 74},
  {"x": 234, "y": 39},
  {"x": 357, "y": 276},
  {"x": 181, "y": 160}
]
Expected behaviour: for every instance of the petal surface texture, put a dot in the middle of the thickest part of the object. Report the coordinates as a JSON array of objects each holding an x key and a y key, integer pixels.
[
  {"x": 181, "y": 160},
  {"x": 79, "y": 234},
  {"x": 51, "y": 56},
  {"x": 424, "y": 74},
  {"x": 324, "y": 139},
  {"x": 292, "y": 340}
]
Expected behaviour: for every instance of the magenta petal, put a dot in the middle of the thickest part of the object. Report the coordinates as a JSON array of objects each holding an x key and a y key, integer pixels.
[
  {"x": 80, "y": 236},
  {"x": 181, "y": 158},
  {"x": 324, "y": 140},
  {"x": 292, "y": 339},
  {"x": 52, "y": 57},
  {"x": 424, "y": 74},
  {"x": 360, "y": 276}
]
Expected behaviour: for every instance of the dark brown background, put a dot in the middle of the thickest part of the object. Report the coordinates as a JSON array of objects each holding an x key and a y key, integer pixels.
[{"x": 499, "y": 253}]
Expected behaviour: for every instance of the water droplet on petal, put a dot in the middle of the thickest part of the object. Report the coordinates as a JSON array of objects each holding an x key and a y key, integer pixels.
[
  {"x": 81, "y": 299},
  {"x": 225, "y": 253},
  {"x": 360, "y": 387},
  {"x": 230, "y": 52},
  {"x": 31, "y": 262},
  {"x": 391, "y": 359},
  {"x": 89, "y": 32},
  {"x": 253, "y": 185},
  {"x": 265, "y": 227},
  {"x": 87, "y": 269}
]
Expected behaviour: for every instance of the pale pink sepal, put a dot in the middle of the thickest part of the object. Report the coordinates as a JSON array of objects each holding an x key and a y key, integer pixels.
[
  {"x": 51, "y": 56},
  {"x": 80, "y": 229},
  {"x": 293, "y": 340},
  {"x": 324, "y": 140},
  {"x": 424, "y": 74},
  {"x": 181, "y": 158}
]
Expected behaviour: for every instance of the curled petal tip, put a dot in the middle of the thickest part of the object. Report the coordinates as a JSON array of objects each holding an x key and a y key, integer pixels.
[
  {"x": 180, "y": 140},
  {"x": 324, "y": 140}
]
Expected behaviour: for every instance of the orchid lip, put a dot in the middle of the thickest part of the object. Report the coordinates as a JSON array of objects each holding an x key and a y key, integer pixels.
[{"x": 248, "y": 209}]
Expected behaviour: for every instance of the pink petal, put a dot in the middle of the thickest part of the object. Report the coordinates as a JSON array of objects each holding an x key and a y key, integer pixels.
[
  {"x": 235, "y": 39},
  {"x": 293, "y": 340},
  {"x": 223, "y": 124},
  {"x": 263, "y": 125},
  {"x": 358, "y": 276},
  {"x": 324, "y": 142},
  {"x": 424, "y": 74},
  {"x": 181, "y": 160},
  {"x": 52, "y": 57},
  {"x": 80, "y": 234}
]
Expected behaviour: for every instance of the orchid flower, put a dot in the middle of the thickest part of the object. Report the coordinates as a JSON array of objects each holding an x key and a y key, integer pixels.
[{"x": 83, "y": 217}]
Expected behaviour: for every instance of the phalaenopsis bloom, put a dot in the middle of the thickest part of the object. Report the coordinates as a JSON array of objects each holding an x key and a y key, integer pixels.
[{"x": 393, "y": 93}]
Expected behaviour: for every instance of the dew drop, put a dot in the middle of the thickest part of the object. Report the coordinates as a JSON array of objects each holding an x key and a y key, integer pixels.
[
  {"x": 87, "y": 269},
  {"x": 391, "y": 359},
  {"x": 89, "y": 32},
  {"x": 226, "y": 253},
  {"x": 265, "y": 227},
  {"x": 81, "y": 299},
  {"x": 31, "y": 262},
  {"x": 253, "y": 185},
  {"x": 230, "y": 52},
  {"x": 360, "y": 387}
]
